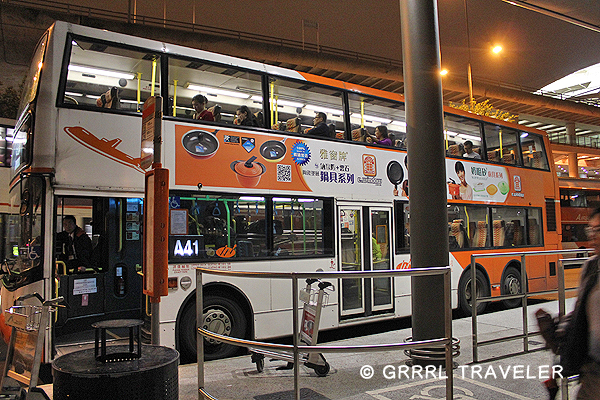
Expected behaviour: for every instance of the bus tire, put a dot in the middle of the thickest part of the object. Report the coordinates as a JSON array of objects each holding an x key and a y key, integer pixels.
[
  {"x": 222, "y": 316},
  {"x": 464, "y": 291},
  {"x": 511, "y": 284}
]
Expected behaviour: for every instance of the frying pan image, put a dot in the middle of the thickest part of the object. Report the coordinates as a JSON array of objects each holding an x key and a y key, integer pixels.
[
  {"x": 395, "y": 173},
  {"x": 273, "y": 150},
  {"x": 201, "y": 144}
]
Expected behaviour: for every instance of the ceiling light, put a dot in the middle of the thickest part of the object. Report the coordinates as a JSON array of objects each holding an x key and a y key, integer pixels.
[
  {"x": 372, "y": 118},
  {"x": 215, "y": 91},
  {"x": 98, "y": 71},
  {"x": 469, "y": 137},
  {"x": 497, "y": 49},
  {"x": 324, "y": 109}
]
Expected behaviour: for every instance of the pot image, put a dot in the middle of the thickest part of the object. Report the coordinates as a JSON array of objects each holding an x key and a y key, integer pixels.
[
  {"x": 454, "y": 189},
  {"x": 395, "y": 173},
  {"x": 201, "y": 144},
  {"x": 273, "y": 150},
  {"x": 248, "y": 172}
]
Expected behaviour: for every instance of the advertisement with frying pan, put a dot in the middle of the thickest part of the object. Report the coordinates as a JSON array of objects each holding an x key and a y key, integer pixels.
[{"x": 216, "y": 158}]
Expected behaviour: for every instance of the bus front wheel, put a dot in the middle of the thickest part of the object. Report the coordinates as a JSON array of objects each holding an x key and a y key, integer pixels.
[
  {"x": 465, "y": 293},
  {"x": 511, "y": 284},
  {"x": 222, "y": 316}
]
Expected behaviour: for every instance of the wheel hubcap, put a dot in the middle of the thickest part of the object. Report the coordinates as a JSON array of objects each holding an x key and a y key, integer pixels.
[
  {"x": 512, "y": 285},
  {"x": 216, "y": 321}
]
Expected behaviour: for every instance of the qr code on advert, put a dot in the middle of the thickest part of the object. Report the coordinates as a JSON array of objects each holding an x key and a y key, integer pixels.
[{"x": 284, "y": 173}]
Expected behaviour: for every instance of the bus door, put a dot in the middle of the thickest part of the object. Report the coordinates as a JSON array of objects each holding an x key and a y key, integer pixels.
[
  {"x": 101, "y": 282},
  {"x": 365, "y": 245}
]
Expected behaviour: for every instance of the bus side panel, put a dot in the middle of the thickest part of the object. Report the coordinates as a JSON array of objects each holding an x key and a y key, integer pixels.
[{"x": 99, "y": 145}]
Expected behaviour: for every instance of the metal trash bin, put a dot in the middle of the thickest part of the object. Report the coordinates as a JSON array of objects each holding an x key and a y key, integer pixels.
[{"x": 153, "y": 376}]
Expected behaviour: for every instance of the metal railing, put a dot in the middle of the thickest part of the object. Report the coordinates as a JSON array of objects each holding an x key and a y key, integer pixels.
[
  {"x": 524, "y": 295},
  {"x": 297, "y": 348}
]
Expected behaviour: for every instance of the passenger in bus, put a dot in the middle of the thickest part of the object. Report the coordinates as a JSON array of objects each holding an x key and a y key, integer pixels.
[
  {"x": 320, "y": 125},
  {"x": 244, "y": 117},
  {"x": 381, "y": 136},
  {"x": 199, "y": 104},
  {"x": 75, "y": 245},
  {"x": 469, "y": 153},
  {"x": 465, "y": 190},
  {"x": 109, "y": 99}
]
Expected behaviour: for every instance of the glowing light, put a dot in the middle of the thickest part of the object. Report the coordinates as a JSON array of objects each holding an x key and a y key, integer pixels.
[{"x": 497, "y": 49}]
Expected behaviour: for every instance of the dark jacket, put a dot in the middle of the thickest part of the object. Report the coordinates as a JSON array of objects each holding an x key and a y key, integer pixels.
[
  {"x": 76, "y": 248},
  {"x": 321, "y": 129}
]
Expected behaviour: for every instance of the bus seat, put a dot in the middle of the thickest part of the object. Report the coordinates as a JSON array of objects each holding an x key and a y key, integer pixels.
[
  {"x": 508, "y": 158},
  {"x": 480, "y": 238},
  {"x": 292, "y": 125},
  {"x": 339, "y": 135},
  {"x": 216, "y": 112},
  {"x": 331, "y": 130},
  {"x": 471, "y": 232},
  {"x": 458, "y": 231},
  {"x": 358, "y": 134},
  {"x": 492, "y": 155},
  {"x": 498, "y": 233},
  {"x": 454, "y": 150},
  {"x": 534, "y": 232},
  {"x": 278, "y": 126},
  {"x": 260, "y": 118},
  {"x": 536, "y": 160},
  {"x": 509, "y": 234},
  {"x": 518, "y": 237}
]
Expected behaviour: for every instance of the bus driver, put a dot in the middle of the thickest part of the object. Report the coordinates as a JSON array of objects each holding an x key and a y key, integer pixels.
[{"x": 75, "y": 245}]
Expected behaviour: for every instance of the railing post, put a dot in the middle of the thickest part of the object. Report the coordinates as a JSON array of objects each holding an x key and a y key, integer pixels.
[
  {"x": 448, "y": 334},
  {"x": 296, "y": 334},
  {"x": 474, "y": 307},
  {"x": 524, "y": 291},
  {"x": 199, "y": 337},
  {"x": 561, "y": 288}
]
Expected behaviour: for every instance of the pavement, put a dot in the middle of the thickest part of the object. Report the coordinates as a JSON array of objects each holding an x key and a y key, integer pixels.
[{"x": 504, "y": 370}]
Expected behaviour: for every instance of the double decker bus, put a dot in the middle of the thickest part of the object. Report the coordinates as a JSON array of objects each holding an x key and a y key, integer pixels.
[{"x": 261, "y": 195}]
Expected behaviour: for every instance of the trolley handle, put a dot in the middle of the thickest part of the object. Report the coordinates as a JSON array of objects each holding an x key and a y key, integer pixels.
[
  {"x": 310, "y": 281},
  {"x": 324, "y": 285}
]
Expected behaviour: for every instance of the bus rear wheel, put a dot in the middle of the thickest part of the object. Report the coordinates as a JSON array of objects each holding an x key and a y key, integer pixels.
[
  {"x": 222, "y": 316},
  {"x": 511, "y": 284},
  {"x": 465, "y": 295}
]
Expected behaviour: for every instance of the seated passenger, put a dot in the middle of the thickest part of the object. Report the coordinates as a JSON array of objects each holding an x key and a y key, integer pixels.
[
  {"x": 109, "y": 99},
  {"x": 320, "y": 123},
  {"x": 469, "y": 153},
  {"x": 244, "y": 117},
  {"x": 381, "y": 136},
  {"x": 199, "y": 104}
]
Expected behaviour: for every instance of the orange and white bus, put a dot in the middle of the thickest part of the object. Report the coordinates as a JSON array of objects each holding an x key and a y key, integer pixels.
[{"x": 257, "y": 196}]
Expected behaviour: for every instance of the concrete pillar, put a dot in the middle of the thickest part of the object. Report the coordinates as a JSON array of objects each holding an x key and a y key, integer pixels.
[
  {"x": 571, "y": 138},
  {"x": 426, "y": 163},
  {"x": 573, "y": 166}
]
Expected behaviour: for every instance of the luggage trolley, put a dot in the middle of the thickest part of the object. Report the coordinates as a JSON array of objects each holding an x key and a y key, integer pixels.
[
  {"x": 313, "y": 300},
  {"x": 25, "y": 348}
]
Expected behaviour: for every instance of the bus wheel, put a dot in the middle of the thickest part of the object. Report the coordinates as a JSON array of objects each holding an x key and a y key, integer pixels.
[
  {"x": 222, "y": 316},
  {"x": 464, "y": 291},
  {"x": 511, "y": 284}
]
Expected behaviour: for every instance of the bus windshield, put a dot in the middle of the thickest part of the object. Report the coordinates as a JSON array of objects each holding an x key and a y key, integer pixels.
[{"x": 33, "y": 77}]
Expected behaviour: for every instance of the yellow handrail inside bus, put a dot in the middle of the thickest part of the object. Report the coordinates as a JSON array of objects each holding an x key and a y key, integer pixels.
[
  {"x": 175, "y": 97},
  {"x": 272, "y": 92},
  {"x": 63, "y": 265},
  {"x": 139, "y": 89},
  {"x": 362, "y": 113},
  {"x": 153, "y": 77},
  {"x": 276, "y": 108},
  {"x": 500, "y": 138}
]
